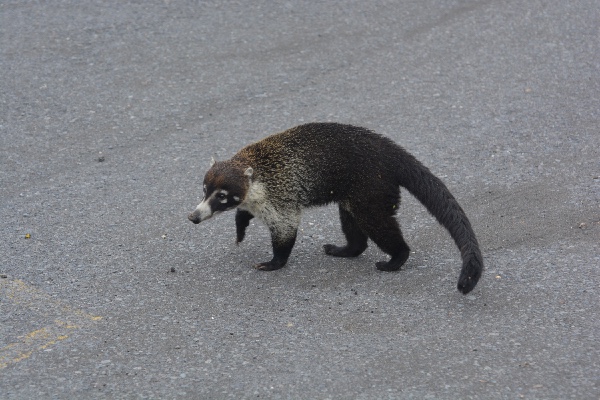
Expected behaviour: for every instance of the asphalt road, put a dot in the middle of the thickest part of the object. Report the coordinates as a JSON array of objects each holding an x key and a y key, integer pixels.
[{"x": 110, "y": 112}]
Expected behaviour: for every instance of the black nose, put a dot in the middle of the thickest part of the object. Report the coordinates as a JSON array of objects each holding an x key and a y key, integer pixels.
[{"x": 194, "y": 218}]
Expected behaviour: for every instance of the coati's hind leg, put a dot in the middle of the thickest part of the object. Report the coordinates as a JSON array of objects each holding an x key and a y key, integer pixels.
[
  {"x": 384, "y": 230},
  {"x": 357, "y": 240}
]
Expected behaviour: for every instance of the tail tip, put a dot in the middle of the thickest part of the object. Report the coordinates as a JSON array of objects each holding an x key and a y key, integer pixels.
[
  {"x": 469, "y": 275},
  {"x": 466, "y": 284}
]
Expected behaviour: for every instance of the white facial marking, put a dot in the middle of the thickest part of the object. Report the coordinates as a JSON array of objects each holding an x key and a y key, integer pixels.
[
  {"x": 236, "y": 198},
  {"x": 224, "y": 194},
  {"x": 204, "y": 210}
]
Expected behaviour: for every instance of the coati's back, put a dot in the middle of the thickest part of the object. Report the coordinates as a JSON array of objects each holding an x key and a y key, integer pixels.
[{"x": 318, "y": 163}]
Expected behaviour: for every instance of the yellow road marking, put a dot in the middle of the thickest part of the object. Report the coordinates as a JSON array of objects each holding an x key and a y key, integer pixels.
[{"x": 66, "y": 319}]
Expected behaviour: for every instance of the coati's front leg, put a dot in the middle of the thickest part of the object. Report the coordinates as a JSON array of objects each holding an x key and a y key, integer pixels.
[
  {"x": 282, "y": 248},
  {"x": 283, "y": 237},
  {"x": 242, "y": 220}
]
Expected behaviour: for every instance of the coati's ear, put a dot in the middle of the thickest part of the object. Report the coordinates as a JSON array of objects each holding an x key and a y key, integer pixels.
[
  {"x": 212, "y": 161},
  {"x": 248, "y": 172}
]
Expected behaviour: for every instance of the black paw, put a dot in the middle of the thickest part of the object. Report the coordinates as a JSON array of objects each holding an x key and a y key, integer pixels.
[
  {"x": 240, "y": 236},
  {"x": 269, "y": 266},
  {"x": 338, "y": 251},
  {"x": 332, "y": 250},
  {"x": 395, "y": 262},
  {"x": 387, "y": 266}
]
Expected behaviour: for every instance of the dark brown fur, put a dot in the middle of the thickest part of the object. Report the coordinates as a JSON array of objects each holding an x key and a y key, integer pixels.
[{"x": 320, "y": 163}]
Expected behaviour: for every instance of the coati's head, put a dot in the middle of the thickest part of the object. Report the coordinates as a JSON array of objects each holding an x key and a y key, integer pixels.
[{"x": 225, "y": 187}]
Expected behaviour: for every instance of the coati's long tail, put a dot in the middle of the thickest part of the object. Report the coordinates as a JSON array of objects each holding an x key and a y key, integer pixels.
[{"x": 436, "y": 197}]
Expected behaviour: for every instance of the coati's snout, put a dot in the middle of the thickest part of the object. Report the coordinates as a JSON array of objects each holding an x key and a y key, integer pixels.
[
  {"x": 203, "y": 212},
  {"x": 214, "y": 203},
  {"x": 194, "y": 217}
]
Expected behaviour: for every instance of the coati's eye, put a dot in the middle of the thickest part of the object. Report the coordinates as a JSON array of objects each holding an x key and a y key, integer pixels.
[
  {"x": 204, "y": 189},
  {"x": 221, "y": 196}
]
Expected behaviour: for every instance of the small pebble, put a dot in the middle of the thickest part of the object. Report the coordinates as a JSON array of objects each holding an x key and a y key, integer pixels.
[{"x": 172, "y": 269}]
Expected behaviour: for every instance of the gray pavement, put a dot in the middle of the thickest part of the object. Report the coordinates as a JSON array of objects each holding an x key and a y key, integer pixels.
[{"x": 110, "y": 112}]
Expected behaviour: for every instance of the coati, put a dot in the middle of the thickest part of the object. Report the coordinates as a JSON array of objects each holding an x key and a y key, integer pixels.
[{"x": 320, "y": 163}]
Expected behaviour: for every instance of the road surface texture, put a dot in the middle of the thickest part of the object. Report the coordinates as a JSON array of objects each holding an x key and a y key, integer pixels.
[{"x": 110, "y": 112}]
